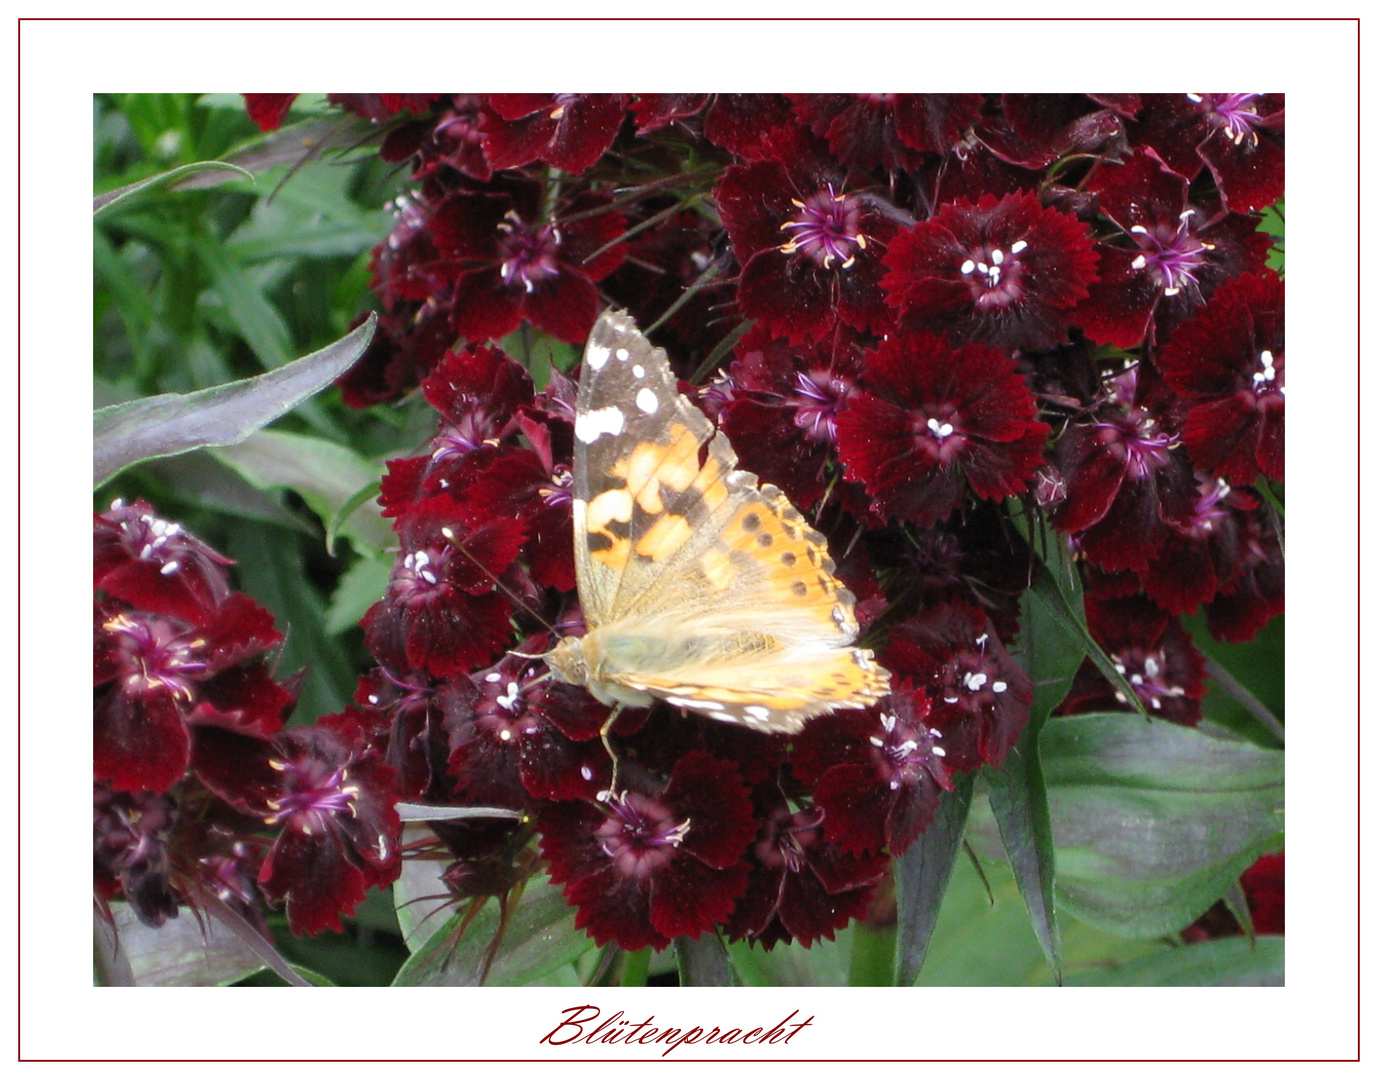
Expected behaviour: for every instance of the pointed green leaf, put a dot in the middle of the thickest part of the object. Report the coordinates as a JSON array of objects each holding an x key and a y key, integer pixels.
[
  {"x": 1019, "y": 801},
  {"x": 921, "y": 877},
  {"x": 1072, "y": 621},
  {"x": 110, "y": 200},
  {"x": 169, "y": 424},
  {"x": 1154, "y": 822},
  {"x": 1018, "y": 794}
]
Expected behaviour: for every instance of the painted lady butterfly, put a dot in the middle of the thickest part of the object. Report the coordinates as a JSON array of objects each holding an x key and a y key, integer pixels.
[{"x": 699, "y": 585}]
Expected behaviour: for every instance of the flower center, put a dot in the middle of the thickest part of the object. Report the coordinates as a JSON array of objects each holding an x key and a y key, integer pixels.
[
  {"x": 974, "y": 675},
  {"x": 1174, "y": 258},
  {"x": 905, "y": 750},
  {"x": 1268, "y": 378},
  {"x": 793, "y": 835},
  {"x": 420, "y": 577},
  {"x": 1147, "y": 675},
  {"x": 993, "y": 274},
  {"x": 827, "y": 229},
  {"x": 312, "y": 793},
  {"x": 528, "y": 254},
  {"x": 156, "y": 656},
  {"x": 1137, "y": 439},
  {"x": 640, "y": 835},
  {"x": 1235, "y": 114},
  {"x": 937, "y": 433},
  {"x": 820, "y": 396}
]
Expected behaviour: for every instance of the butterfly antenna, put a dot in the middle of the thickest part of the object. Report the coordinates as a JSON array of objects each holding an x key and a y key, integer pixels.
[{"x": 458, "y": 545}]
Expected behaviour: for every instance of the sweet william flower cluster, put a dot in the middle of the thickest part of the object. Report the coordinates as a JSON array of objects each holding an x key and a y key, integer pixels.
[{"x": 917, "y": 315}]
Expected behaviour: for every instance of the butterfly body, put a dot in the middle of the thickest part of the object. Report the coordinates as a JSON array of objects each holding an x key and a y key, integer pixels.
[{"x": 699, "y": 585}]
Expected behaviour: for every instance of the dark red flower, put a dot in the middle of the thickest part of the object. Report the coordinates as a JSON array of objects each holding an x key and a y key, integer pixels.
[
  {"x": 1204, "y": 554},
  {"x": 380, "y": 107},
  {"x": 442, "y": 613},
  {"x": 131, "y": 851},
  {"x": 1228, "y": 361},
  {"x": 648, "y": 864},
  {"x": 1151, "y": 650},
  {"x": 327, "y": 789},
  {"x": 156, "y": 676},
  {"x": 569, "y": 131},
  {"x": 452, "y": 139},
  {"x": 755, "y": 127},
  {"x": 979, "y": 694},
  {"x": 810, "y": 251},
  {"x": 784, "y": 405},
  {"x": 513, "y": 733},
  {"x": 1238, "y": 136},
  {"x": 889, "y": 131},
  {"x": 656, "y": 111},
  {"x": 1257, "y": 591},
  {"x": 516, "y": 263},
  {"x": 1170, "y": 257},
  {"x": 156, "y": 565},
  {"x": 1034, "y": 130},
  {"x": 268, "y": 111},
  {"x": 1004, "y": 271},
  {"x": 803, "y": 887},
  {"x": 1125, "y": 477},
  {"x": 931, "y": 420},
  {"x": 877, "y": 776}
]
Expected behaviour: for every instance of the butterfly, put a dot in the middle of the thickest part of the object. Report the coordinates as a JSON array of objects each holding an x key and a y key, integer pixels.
[{"x": 700, "y": 586}]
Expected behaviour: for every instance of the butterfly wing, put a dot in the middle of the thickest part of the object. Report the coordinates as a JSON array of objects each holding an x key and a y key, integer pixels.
[{"x": 699, "y": 585}]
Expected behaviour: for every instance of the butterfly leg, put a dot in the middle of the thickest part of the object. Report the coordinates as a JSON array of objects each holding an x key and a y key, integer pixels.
[{"x": 605, "y": 733}]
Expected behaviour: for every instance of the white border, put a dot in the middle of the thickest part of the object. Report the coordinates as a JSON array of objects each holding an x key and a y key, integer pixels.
[{"x": 1314, "y": 63}]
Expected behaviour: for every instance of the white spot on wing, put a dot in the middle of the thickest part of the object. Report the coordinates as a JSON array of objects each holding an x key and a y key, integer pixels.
[
  {"x": 638, "y": 371},
  {"x": 595, "y": 356},
  {"x": 646, "y": 400},
  {"x": 623, "y": 355},
  {"x": 590, "y": 426}
]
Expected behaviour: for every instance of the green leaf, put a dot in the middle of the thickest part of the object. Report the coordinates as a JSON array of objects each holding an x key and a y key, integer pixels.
[
  {"x": 251, "y": 314},
  {"x": 921, "y": 878},
  {"x": 704, "y": 962},
  {"x": 272, "y": 569},
  {"x": 325, "y": 474},
  {"x": 1070, "y": 618},
  {"x": 169, "y": 424},
  {"x": 295, "y": 144},
  {"x": 1233, "y": 961},
  {"x": 1154, "y": 821},
  {"x": 105, "y": 204},
  {"x": 359, "y": 588},
  {"x": 825, "y": 963},
  {"x": 1057, "y": 585},
  {"x": 1019, "y": 801},
  {"x": 983, "y": 937},
  {"x": 183, "y": 951},
  {"x": 1051, "y": 654},
  {"x": 539, "y": 941}
]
